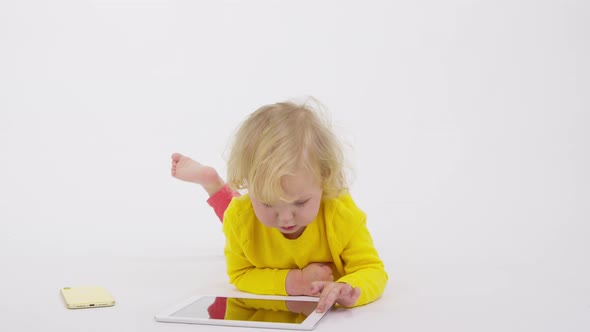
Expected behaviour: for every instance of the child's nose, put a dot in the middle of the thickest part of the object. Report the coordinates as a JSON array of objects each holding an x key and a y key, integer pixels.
[{"x": 284, "y": 216}]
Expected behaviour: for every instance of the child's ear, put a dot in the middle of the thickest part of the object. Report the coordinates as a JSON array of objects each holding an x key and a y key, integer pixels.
[{"x": 325, "y": 172}]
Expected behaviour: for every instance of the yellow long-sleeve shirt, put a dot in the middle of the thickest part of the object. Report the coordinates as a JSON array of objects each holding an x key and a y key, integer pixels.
[{"x": 259, "y": 257}]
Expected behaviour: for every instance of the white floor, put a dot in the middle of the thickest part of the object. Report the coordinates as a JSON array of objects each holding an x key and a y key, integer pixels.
[{"x": 467, "y": 124}]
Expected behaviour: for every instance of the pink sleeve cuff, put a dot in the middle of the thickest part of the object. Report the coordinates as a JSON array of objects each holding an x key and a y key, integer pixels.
[{"x": 221, "y": 199}]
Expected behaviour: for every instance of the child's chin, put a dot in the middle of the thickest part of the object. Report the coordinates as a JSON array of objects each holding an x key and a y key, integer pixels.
[{"x": 293, "y": 233}]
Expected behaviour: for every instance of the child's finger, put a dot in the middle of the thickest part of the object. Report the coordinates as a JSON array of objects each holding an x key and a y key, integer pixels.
[
  {"x": 350, "y": 297},
  {"x": 320, "y": 287},
  {"x": 317, "y": 287},
  {"x": 328, "y": 297}
]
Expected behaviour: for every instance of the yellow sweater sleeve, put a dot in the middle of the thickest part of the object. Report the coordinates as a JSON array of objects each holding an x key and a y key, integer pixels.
[
  {"x": 363, "y": 268},
  {"x": 242, "y": 273},
  {"x": 353, "y": 245}
]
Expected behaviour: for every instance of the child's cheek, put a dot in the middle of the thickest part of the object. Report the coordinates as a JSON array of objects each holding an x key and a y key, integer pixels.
[{"x": 268, "y": 218}]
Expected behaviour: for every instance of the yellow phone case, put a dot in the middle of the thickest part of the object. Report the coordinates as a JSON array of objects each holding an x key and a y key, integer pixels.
[{"x": 87, "y": 297}]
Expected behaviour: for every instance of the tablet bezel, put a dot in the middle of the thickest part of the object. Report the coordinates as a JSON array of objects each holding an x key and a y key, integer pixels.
[{"x": 166, "y": 316}]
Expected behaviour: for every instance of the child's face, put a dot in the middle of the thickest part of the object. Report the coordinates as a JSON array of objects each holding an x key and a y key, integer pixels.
[{"x": 291, "y": 217}]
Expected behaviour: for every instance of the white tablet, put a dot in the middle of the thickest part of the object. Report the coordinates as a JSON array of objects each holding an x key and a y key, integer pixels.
[{"x": 247, "y": 310}]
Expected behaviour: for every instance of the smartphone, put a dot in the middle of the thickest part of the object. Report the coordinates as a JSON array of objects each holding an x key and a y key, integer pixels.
[{"x": 87, "y": 297}]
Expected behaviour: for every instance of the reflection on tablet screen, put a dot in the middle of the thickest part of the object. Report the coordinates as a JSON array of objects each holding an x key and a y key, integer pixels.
[{"x": 230, "y": 308}]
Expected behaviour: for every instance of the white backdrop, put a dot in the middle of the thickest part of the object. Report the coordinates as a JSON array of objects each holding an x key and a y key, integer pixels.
[{"x": 467, "y": 120}]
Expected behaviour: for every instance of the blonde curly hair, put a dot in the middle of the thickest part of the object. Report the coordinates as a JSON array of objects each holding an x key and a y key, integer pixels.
[{"x": 279, "y": 139}]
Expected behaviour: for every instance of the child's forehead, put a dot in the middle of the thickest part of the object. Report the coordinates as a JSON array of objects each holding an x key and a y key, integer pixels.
[
  {"x": 299, "y": 183},
  {"x": 290, "y": 199},
  {"x": 293, "y": 188}
]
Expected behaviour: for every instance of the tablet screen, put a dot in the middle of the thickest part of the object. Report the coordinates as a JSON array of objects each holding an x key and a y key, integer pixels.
[{"x": 247, "y": 309}]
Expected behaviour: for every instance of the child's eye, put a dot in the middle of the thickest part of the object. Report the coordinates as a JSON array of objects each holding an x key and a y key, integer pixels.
[
  {"x": 301, "y": 203},
  {"x": 266, "y": 205}
]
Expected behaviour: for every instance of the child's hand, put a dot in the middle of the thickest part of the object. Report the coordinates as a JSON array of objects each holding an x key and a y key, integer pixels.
[
  {"x": 317, "y": 272},
  {"x": 334, "y": 292},
  {"x": 299, "y": 282}
]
